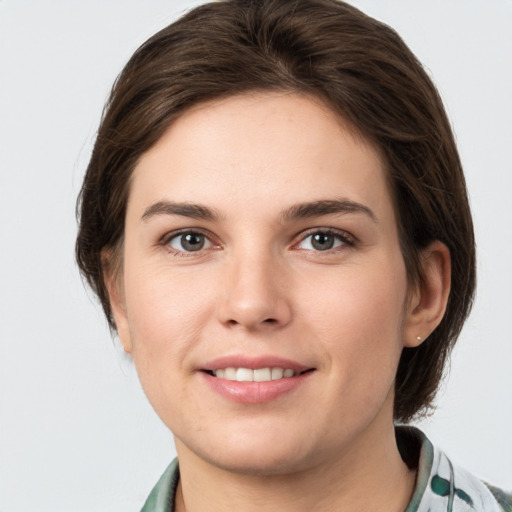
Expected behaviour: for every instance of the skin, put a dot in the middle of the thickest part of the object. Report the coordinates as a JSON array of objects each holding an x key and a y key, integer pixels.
[{"x": 259, "y": 287}]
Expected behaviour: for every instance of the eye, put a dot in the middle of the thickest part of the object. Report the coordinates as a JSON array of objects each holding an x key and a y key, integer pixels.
[
  {"x": 324, "y": 240},
  {"x": 189, "y": 241}
]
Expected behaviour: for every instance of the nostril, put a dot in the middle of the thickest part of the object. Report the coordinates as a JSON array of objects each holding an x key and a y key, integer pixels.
[{"x": 234, "y": 322}]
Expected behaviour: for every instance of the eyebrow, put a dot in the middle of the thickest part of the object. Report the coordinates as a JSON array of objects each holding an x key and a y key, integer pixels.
[
  {"x": 327, "y": 207},
  {"x": 297, "y": 211},
  {"x": 191, "y": 210}
]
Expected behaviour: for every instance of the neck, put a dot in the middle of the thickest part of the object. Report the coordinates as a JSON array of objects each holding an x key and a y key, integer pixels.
[{"x": 369, "y": 476}]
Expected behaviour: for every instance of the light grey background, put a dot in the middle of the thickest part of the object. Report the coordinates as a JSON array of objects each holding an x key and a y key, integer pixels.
[{"x": 76, "y": 432}]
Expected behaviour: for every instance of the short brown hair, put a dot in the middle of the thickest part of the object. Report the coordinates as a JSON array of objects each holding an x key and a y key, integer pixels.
[{"x": 362, "y": 70}]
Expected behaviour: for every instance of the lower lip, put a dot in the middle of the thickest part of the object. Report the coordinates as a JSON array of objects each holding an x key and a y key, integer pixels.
[{"x": 255, "y": 392}]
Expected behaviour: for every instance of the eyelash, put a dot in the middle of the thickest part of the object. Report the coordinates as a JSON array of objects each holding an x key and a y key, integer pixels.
[{"x": 345, "y": 238}]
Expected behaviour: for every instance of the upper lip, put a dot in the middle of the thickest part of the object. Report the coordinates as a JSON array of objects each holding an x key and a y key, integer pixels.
[{"x": 254, "y": 363}]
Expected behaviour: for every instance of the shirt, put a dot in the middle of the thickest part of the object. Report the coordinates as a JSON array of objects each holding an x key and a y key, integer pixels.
[{"x": 440, "y": 485}]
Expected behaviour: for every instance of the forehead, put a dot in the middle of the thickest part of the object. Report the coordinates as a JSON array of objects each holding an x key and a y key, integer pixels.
[{"x": 255, "y": 147}]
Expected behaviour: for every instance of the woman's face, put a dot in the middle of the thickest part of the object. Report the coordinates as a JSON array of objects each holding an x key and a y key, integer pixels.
[{"x": 261, "y": 242}]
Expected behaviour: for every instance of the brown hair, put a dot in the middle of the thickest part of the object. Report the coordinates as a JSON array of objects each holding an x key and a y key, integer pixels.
[{"x": 361, "y": 69}]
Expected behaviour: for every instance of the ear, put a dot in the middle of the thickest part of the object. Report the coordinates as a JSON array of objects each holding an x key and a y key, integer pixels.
[
  {"x": 113, "y": 278},
  {"x": 427, "y": 302}
]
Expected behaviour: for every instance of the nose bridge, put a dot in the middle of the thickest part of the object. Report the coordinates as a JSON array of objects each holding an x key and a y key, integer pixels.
[{"x": 254, "y": 294}]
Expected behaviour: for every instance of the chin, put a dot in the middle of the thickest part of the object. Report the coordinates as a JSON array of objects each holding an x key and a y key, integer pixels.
[
  {"x": 256, "y": 455},
  {"x": 260, "y": 464}
]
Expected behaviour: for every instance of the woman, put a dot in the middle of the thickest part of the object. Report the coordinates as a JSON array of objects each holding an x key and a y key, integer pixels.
[{"x": 276, "y": 222}]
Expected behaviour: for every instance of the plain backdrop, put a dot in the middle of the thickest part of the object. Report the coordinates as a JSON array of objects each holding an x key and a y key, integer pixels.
[{"x": 76, "y": 432}]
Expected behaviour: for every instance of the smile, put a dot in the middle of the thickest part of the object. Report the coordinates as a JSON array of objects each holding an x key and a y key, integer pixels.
[
  {"x": 254, "y": 379},
  {"x": 258, "y": 375}
]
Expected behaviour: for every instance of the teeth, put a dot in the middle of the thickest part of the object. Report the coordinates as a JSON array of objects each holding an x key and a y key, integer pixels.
[
  {"x": 277, "y": 373},
  {"x": 229, "y": 373},
  {"x": 244, "y": 375},
  {"x": 262, "y": 375},
  {"x": 248, "y": 375}
]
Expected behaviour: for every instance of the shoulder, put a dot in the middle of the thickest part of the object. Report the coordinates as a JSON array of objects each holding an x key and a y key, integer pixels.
[{"x": 443, "y": 486}]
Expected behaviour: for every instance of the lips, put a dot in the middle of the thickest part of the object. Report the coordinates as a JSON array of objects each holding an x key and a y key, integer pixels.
[
  {"x": 254, "y": 363},
  {"x": 254, "y": 380}
]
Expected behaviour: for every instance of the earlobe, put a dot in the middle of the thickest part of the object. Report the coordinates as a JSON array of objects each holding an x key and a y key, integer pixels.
[
  {"x": 112, "y": 276},
  {"x": 427, "y": 303}
]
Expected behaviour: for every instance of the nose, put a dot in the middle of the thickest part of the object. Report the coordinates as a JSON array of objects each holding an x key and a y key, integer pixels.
[{"x": 254, "y": 294}]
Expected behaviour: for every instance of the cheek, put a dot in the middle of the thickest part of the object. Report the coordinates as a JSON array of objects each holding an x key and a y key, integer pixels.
[
  {"x": 359, "y": 319},
  {"x": 166, "y": 315},
  {"x": 166, "y": 321}
]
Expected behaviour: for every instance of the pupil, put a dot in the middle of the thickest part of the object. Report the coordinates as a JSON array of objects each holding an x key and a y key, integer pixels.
[
  {"x": 192, "y": 242},
  {"x": 322, "y": 241}
]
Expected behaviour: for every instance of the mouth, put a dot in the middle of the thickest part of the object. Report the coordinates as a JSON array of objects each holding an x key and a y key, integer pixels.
[
  {"x": 256, "y": 375},
  {"x": 254, "y": 379}
]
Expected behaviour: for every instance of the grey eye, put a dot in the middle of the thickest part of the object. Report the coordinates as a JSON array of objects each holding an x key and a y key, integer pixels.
[
  {"x": 189, "y": 242},
  {"x": 322, "y": 241}
]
